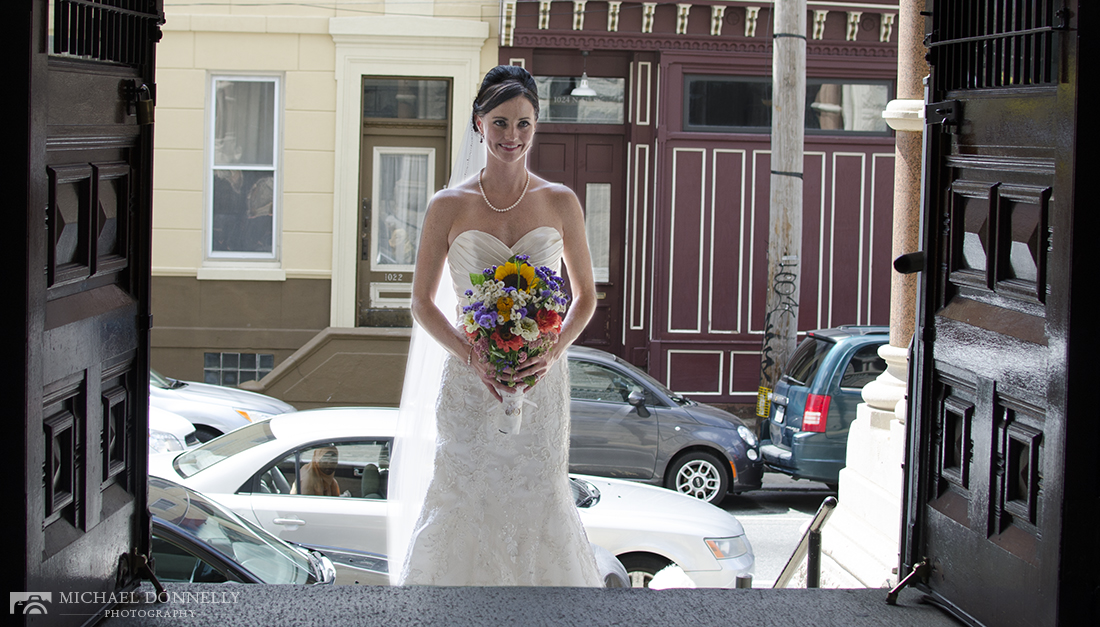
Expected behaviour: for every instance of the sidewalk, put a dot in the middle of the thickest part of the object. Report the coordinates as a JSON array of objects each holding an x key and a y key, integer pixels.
[{"x": 263, "y": 606}]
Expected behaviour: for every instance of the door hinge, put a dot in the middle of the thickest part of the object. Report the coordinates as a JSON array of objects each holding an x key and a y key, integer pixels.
[
  {"x": 135, "y": 565},
  {"x": 947, "y": 113}
]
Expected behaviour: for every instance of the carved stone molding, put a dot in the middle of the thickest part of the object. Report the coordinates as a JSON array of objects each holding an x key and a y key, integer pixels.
[
  {"x": 717, "y": 12},
  {"x": 596, "y": 40},
  {"x": 819, "y": 24},
  {"x": 853, "y": 24},
  {"x": 683, "y": 12},
  {"x": 751, "y": 15},
  {"x": 648, "y": 11},
  {"x": 886, "y": 27}
]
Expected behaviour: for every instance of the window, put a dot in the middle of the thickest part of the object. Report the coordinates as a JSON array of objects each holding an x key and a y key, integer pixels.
[
  {"x": 592, "y": 382},
  {"x": 864, "y": 367},
  {"x": 558, "y": 104},
  {"x": 597, "y": 226},
  {"x": 341, "y": 469},
  {"x": 743, "y": 104},
  {"x": 405, "y": 98},
  {"x": 232, "y": 369},
  {"x": 243, "y": 179}
]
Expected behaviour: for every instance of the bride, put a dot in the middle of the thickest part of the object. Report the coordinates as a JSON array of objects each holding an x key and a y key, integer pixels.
[{"x": 496, "y": 508}]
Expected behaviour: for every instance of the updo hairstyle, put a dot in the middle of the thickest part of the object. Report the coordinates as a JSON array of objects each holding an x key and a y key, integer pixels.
[{"x": 501, "y": 84}]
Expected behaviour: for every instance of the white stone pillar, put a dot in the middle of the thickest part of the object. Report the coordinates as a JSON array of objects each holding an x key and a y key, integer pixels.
[{"x": 860, "y": 543}]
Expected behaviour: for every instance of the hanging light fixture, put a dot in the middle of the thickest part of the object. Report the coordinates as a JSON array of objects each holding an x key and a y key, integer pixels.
[{"x": 583, "y": 89}]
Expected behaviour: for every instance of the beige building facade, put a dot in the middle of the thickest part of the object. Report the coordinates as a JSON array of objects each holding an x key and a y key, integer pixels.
[{"x": 276, "y": 127}]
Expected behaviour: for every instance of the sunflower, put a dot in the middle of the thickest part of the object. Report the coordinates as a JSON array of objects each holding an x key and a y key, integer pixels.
[{"x": 518, "y": 275}]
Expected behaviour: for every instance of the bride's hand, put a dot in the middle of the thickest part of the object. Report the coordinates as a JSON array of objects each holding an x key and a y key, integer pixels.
[
  {"x": 488, "y": 376},
  {"x": 537, "y": 367}
]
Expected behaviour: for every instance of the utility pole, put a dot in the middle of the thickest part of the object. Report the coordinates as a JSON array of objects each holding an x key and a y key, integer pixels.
[{"x": 785, "y": 217}]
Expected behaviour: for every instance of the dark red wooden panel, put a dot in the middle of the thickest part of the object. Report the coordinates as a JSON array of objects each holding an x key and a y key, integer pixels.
[
  {"x": 685, "y": 250},
  {"x": 728, "y": 210},
  {"x": 695, "y": 371}
]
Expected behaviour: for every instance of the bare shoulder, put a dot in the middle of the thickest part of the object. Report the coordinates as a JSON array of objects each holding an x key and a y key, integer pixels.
[
  {"x": 448, "y": 203},
  {"x": 560, "y": 199}
]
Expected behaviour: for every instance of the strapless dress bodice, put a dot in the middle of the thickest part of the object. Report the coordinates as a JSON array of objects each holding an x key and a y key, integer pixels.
[{"x": 473, "y": 251}]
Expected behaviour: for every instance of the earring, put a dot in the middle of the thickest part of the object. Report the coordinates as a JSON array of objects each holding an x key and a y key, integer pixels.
[{"x": 480, "y": 138}]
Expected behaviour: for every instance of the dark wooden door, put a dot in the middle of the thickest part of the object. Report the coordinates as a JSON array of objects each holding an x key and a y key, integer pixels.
[
  {"x": 86, "y": 320},
  {"x": 592, "y": 166},
  {"x": 988, "y": 423}
]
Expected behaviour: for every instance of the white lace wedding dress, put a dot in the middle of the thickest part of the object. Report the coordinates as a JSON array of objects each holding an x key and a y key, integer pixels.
[{"x": 499, "y": 509}]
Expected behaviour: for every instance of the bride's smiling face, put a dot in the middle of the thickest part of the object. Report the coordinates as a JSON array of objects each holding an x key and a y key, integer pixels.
[{"x": 509, "y": 129}]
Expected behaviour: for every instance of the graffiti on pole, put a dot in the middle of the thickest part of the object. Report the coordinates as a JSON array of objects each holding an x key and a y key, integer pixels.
[{"x": 779, "y": 320}]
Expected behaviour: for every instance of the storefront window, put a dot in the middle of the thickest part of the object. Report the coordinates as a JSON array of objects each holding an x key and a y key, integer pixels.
[
  {"x": 743, "y": 104},
  {"x": 557, "y": 104}
]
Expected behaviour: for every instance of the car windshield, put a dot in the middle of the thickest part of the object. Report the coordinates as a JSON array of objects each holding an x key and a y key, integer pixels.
[
  {"x": 270, "y": 559},
  {"x": 163, "y": 382},
  {"x": 807, "y": 359},
  {"x": 205, "y": 456}
]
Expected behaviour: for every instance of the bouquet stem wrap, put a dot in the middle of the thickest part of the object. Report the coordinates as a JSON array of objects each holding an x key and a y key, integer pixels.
[{"x": 513, "y": 412}]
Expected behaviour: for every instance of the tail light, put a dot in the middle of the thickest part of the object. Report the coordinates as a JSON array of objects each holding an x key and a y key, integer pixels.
[{"x": 817, "y": 413}]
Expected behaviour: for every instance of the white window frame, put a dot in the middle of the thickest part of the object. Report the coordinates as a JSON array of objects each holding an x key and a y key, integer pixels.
[{"x": 212, "y": 259}]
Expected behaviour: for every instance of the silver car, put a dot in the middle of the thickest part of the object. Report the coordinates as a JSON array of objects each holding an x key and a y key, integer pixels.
[
  {"x": 626, "y": 424},
  {"x": 213, "y": 409}
]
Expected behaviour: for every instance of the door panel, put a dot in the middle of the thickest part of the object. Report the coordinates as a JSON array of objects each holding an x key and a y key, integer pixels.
[
  {"x": 985, "y": 459},
  {"x": 399, "y": 174},
  {"x": 592, "y": 166},
  {"x": 87, "y": 278}
]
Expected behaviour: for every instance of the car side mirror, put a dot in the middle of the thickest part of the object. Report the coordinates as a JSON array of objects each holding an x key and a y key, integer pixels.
[{"x": 637, "y": 399}]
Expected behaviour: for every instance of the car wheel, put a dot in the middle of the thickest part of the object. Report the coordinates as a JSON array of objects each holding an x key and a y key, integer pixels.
[
  {"x": 205, "y": 434},
  {"x": 641, "y": 568},
  {"x": 700, "y": 475}
]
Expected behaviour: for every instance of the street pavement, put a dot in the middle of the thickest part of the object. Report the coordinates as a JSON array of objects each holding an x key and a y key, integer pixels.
[{"x": 774, "y": 518}]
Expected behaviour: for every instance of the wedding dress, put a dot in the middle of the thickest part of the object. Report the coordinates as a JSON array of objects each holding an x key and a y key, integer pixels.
[{"x": 499, "y": 509}]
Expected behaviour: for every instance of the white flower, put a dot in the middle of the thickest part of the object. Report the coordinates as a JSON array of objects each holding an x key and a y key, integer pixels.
[
  {"x": 526, "y": 328},
  {"x": 469, "y": 322}
]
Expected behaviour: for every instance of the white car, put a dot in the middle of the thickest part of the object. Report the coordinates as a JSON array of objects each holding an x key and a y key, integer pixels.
[
  {"x": 213, "y": 409},
  {"x": 169, "y": 431},
  {"x": 256, "y": 471}
]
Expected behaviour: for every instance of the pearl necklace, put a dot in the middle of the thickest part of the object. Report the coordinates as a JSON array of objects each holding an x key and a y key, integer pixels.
[{"x": 513, "y": 206}]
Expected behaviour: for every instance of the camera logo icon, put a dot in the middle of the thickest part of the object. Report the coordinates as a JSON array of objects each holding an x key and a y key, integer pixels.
[{"x": 30, "y": 602}]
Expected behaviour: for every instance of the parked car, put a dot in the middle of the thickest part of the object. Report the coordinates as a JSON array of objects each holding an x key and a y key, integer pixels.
[
  {"x": 815, "y": 401},
  {"x": 196, "y": 540},
  {"x": 627, "y": 425},
  {"x": 213, "y": 409},
  {"x": 253, "y": 471},
  {"x": 169, "y": 431}
]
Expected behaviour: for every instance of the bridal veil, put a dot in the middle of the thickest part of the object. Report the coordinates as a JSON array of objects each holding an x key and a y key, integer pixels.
[{"x": 413, "y": 456}]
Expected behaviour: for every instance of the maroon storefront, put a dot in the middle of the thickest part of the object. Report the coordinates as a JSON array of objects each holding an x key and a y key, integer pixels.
[{"x": 669, "y": 154}]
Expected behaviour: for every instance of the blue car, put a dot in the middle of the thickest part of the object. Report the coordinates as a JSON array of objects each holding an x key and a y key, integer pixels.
[{"x": 815, "y": 400}]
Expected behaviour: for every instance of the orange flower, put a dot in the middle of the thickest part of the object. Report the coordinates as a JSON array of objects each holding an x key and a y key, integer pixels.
[
  {"x": 548, "y": 320},
  {"x": 507, "y": 341}
]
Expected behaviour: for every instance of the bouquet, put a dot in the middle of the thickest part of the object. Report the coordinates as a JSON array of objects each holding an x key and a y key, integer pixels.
[{"x": 513, "y": 313}]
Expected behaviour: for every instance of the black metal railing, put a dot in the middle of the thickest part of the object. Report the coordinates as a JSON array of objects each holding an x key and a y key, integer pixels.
[
  {"x": 809, "y": 548},
  {"x": 995, "y": 43},
  {"x": 105, "y": 30}
]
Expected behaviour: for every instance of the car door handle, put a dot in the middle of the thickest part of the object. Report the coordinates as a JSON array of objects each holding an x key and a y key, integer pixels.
[{"x": 288, "y": 521}]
